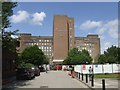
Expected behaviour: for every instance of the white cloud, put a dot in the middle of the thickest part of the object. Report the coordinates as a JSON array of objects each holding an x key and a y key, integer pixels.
[
  {"x": 101, "y": 30},
  {"x": 21, "y": 16},
  {"x": 38, "y": 18},
  {"x": 113, "y": 28},
  {"x": 102, "y": 37},
  {"x": 102, "y": 27},
  {"x": 105, "y": 46},
  {"x": 90, "y": 25},
  {"x": 24, "y": 16}
]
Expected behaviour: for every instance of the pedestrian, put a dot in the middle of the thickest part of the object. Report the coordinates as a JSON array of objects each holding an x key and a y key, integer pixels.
[{"x": 90, "y": 73}]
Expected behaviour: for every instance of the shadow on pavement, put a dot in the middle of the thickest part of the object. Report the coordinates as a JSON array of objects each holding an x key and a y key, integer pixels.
[{"x": 15, "y": 84}]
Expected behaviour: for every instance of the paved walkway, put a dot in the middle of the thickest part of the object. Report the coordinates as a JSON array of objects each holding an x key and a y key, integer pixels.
[
  {"x": 52, "y": 79},
  {"x": 109, "y": 83}
]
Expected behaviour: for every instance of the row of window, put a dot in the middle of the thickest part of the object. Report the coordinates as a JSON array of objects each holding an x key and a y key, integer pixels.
[
  {"x": 45, "y": 40},
  {"x": 46, "y": 48},
  {"x": 84, "y": 44},
  {"x": 38, "y": 43},
  {"x": 84, "y": 47},
  {"x": 90, "y": 51},
  {"x": 48, "y": 54}
]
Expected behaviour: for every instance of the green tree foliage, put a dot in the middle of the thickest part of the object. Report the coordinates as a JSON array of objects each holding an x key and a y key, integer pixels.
[
  {"x": 110, "y": 56},
  {"x": 9, "y": 44},
  {"x": 101, "y": 59},
  {"x": 7, "y": 11},
  {"x": 77, "y": 57},
  {"x": 33, "y": 55},
  {"x": 118, "y": 55},
  {"x": 46, "y": 60},
  {"x": 26, "y": 65}
]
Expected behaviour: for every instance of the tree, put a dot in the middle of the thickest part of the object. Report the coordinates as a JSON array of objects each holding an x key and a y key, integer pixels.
[
  {"x": 9, "y": 54},
  {"x": 46, "y": 60},
  {"x": 118, "y": 55},
  {"x": 26, "y": 65},
  {"x": 111, "y": 55},
  {"x": 7, "y": 11},
  {"x": 86, "y": 56},
  {"x": 102, "y": 59},
  {"x": 33, "y": 55},
  {"x": 77, "y": 57}
]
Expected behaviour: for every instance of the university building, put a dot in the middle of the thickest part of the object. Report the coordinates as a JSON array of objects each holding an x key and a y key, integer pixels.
[{"x": 56, "y": 47}]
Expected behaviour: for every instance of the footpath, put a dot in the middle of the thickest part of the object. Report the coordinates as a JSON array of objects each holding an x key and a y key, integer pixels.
[{"x": 110, "y": 84}]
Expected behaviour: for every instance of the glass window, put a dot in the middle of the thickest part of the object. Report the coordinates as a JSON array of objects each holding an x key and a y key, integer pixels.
[{"x": 90, "y": 51}]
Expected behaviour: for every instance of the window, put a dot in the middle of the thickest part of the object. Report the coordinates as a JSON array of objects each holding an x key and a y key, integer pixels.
[
  {"x": 90, "y": 51},
  {"x": 90, "y": 54}
]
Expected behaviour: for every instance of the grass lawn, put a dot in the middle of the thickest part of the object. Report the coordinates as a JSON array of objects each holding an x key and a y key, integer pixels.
[{"x": 114, "y": 76}]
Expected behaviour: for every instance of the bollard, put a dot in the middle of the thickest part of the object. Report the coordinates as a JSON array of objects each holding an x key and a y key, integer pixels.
[
  {"x": 73, "y": 74},
  {"x": 86, "y": 78},
  {"x": 79, "y": 75},
  {"x": 92, "y": 82},
  {"x": 82, "y": 76},
  {"x": 103, "y": 84}
]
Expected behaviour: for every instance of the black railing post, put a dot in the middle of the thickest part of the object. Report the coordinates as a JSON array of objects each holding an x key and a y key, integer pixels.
[
  {"x": 92, "y": 80},
  {"x": 103, "y": 84},
  {"x": 82, "y": 76},
  {"x": 86, "y": 78},
  {"x": 79, "y": 76}
]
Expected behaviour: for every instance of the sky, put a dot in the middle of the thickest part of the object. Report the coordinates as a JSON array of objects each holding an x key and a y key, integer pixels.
[{"x": 89, "y": 18}]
